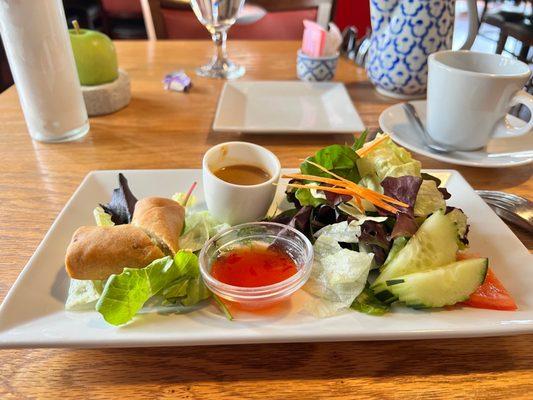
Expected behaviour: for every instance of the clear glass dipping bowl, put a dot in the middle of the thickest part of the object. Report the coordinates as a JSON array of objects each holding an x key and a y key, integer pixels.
[{"x": 286, "y": 239}]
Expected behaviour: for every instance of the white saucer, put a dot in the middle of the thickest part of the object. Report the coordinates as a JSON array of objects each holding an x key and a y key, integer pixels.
[{"x": 394, "y": 122}]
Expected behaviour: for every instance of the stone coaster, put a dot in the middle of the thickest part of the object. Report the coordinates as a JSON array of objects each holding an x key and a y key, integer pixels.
[{"x": 109, "y": 97}]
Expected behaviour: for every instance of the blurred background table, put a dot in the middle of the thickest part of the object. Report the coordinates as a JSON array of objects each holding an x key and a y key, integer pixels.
[{"x": 163, "y": 129}]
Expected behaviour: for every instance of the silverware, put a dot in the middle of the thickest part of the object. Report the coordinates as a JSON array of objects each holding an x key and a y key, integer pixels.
[
  {"x": 510, "y": 207},
  {"x": 349, "y": 42},
  {"x": 411, "y": 113},
  {"x": 362, "y": 49},
  {"x": 433, "y": 146},
  {"x": 362, "y": 52}
]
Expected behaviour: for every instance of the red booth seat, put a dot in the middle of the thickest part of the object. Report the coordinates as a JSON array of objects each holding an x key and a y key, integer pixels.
[{"x": 122, "y": 7}]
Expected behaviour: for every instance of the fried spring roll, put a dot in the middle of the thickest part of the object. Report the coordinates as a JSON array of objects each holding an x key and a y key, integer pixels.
[
  {"x": 96, "y": 252},
  {"x": 162, "y": 219}
]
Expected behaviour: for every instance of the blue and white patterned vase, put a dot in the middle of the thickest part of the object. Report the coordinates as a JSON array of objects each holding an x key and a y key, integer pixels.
[{"x": 404, "y": 34}]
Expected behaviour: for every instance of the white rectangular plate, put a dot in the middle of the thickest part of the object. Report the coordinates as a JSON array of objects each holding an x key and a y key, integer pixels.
[
  {"x": 286, "y": 107},
  {"x": 33, "y": 315}
]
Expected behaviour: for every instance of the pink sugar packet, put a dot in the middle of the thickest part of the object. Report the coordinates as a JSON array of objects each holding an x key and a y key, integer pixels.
[{"x": 314, "y": 39}]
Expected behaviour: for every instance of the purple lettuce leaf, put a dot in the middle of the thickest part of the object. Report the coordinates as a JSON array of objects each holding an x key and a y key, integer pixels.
[
  {"x": 122, "y": 203},
  {"x": 405, "y": 225},
  {"x": 375, "y": 235},
  {"x": 445, "y": 194},
  {"x": 405, "y": 189},
  {"x": 334, "y": 199}
]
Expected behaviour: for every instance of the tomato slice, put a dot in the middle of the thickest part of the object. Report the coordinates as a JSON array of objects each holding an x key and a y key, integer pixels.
[{"x": 492, "y": 295}]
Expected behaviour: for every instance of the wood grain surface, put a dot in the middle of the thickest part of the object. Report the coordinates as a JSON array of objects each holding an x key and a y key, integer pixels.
[{"x": 163, "y": 129}]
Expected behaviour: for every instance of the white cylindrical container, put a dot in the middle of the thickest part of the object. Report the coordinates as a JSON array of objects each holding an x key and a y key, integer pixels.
[{"x": 38, "y": 48}]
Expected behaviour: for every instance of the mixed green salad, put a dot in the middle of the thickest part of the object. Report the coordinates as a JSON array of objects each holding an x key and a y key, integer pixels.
[{"x": 383, "y": 234}]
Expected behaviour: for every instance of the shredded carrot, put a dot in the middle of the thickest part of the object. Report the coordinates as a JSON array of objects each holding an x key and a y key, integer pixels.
[
  {"x": 359, "y": 204},
  {"x": 367, "y": 192},
  {"x": 370, "y": 145},
  {"x": 350, "y": 192},
  {"x": 314, "y": 178},
  {"x": 324, "y": 188},
  {"x": 324, "y": 169},
  {"x": 344, "y": 186},
  {"x": 388, "y": 199}
]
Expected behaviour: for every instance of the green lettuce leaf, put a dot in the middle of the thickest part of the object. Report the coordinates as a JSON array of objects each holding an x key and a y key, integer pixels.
[
  {"x": 199, "y": 228},
  {"x": 306, "y": 198},
  {"x": 429, "y": 199},
  {"x": 223, "y": 307},
  {"x": 388, "y": 159},
  {"x": 180, "y": 198},
  {"x": 367, "y": 303},
  {"x": 461, "y": 222},
  {"x": 186, "y": 292},
  {"x": 125, "y": 294},
  {"x": 342, "y": 231},
  {"x": 360, "y": 141},
  {"x": 101, "y": 217},
  {"x": 372, "y": 182},
  {"x": 340, "y": 159},
  {"x": 176, "y": 290},
  {"x": 337, "y": 277},
  {"x": 196, "y": 292},
  {"x": 83, "y": 295}
]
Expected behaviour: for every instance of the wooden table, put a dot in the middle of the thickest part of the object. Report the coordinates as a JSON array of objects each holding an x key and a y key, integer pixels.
[{"x": 172, "y": 130}]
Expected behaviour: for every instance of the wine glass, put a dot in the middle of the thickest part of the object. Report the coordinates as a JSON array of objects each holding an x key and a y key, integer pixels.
[{"x": 218, "y": 16}]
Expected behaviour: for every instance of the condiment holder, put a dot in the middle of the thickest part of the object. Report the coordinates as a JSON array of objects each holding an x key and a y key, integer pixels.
[
  {"x": 317, "y": 59},
  {"x": 234, "y": 203},
  {"x": 283, "y": 238},
  {"x": 316, "y": 69}
]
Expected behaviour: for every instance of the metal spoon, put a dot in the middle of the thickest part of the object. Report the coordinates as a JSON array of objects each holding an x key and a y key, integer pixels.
[
  {"x": 510, "y": 207},
  {"x": 363, "y": 47},
  {"x": 411, "y": 113},
  {"x": 433, "y": 146}
]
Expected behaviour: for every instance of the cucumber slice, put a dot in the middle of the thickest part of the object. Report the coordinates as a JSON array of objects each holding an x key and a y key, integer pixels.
[
  {"x": 440, "y": 287},
  {"x": 433, "y": 245}
]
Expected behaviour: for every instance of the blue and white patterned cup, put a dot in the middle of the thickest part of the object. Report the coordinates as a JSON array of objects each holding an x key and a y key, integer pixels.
[
  {"x": 316, "y": 69},
  {"x": 404, "y": 34}
]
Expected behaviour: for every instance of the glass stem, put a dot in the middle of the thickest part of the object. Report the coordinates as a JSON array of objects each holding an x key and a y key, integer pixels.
[{"x": 219, "y": 38}]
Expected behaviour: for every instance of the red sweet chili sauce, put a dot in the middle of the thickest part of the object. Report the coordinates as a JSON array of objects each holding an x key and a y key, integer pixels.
[{"x": 253, "y": 267}]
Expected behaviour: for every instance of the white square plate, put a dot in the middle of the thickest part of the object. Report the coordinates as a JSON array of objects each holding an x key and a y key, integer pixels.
[
  {"x": 286, "y": 107},
  {"x": 33, "y": 315}
]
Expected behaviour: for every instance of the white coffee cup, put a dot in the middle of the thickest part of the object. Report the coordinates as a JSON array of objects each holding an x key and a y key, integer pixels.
[
  {"x": 236, "y": 204},
  {"x": 469, "y": 95}
]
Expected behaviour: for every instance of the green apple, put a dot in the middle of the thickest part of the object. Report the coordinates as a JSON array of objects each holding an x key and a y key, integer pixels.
[{"x": 95, "y": 55}]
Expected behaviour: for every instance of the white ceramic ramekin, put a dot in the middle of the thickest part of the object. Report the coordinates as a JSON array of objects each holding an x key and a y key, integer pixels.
[{"x": 236, "y": 204}]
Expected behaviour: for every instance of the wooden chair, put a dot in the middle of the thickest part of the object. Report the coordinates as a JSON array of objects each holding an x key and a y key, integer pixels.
[
  {"x": 521, "y": 31},
  {"x": 171, "y": 19}
]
